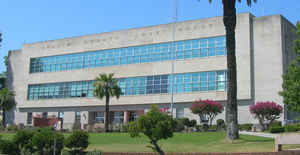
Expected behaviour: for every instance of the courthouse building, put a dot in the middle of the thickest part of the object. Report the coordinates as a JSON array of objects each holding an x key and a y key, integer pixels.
[{"x": 56, "y": 77}]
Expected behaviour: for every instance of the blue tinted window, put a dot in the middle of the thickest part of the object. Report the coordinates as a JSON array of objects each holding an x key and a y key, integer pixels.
[
  {"x": 188, "y": 49},
  {"x": 158, "y": 84}
]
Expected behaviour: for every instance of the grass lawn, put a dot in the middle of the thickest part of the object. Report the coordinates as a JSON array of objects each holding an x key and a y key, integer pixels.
[{"x": 181, "y": 142}]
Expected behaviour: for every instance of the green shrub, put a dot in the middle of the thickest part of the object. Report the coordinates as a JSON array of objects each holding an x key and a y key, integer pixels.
[
  {"x": 213, "y": 127},
  {"x": 43, "y": 141},
  {"x": 192, "y": 123},
  {"x": 66, "y": 152},
  {"x": 124, "y": 128},
  {"x": 276, "y": 129},
  {"x": 290, "y": 128},
  {"x": 23, "y": 139},
  {"x": 12, "y": 128},
  {"x": 8, "y": 147},
  {"x": 276, "y": 123},
  {"x": 245, "y": 127},
  {"x": 205, "y": 127},
  {"x": 221, "y": 124},
  {"x": 179, "y": 125},
  {"x": 198, "y": 128},
  {"x": 186, "y": 122},
  {"x": 77, "y": 141},
  {"x": 2, "y": 128}
]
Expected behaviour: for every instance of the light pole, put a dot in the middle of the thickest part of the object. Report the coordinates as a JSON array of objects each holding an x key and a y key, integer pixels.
[{"x": 173, "y": 51}]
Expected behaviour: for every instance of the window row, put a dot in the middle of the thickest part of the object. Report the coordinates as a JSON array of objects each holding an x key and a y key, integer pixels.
[
  {"x": 131, "y": 55},
  {"x": 158, "y": 84}
]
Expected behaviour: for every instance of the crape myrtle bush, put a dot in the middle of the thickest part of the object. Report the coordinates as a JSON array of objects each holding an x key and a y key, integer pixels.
[
  {"x": 207, "y": 109},
  {"x": 266, "y": 112}
]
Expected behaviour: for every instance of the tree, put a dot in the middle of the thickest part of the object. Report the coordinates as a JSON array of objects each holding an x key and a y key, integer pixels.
[
  {"x": 155, "y": 125},
  {"x": 231, "y": 113},
  {"x": 7, "y": 102},
  {"x": 207, "y": 109},
  {"x": 291, "y": 82},
  {"x": 106, "y": 85},
  {"x": 266, "y": 112}
]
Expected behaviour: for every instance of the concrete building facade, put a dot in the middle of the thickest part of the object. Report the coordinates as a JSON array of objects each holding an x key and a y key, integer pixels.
[{"x": 55, "y": 77}]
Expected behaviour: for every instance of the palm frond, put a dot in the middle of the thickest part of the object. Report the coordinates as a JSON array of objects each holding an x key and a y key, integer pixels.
[{"x": 106, "y": 84}]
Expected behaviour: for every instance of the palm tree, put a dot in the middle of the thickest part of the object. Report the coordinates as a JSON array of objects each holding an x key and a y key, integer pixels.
[
  {"x": 229, "y": 20},
  {"x": 106, "y": 85},
  {"x": 7, "y": 102}
]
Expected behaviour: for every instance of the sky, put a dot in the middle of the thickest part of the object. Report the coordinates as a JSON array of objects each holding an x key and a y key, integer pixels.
[{"x": 29, "y": 21}]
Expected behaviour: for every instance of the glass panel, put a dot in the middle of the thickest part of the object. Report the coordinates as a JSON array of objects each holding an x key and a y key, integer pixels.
[
  {"x": 188, "y": 82},
  {"x": 131, "y": 55}
]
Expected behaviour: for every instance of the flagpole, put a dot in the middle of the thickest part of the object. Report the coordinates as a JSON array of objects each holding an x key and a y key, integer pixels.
[{"x": 173, "y": 51}]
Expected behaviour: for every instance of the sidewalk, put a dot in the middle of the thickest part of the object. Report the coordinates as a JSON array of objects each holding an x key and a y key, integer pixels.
[{"x": 259, "y": 134}]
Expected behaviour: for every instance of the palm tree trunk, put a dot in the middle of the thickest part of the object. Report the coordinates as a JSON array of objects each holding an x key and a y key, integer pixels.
[
  {"x": 229, "y": 21},
  {"x": 107, "y": 113}
]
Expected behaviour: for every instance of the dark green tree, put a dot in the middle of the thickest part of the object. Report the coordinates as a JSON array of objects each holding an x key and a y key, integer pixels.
[
  {"x": 7, "y": 102},
  {"x": 291, "y": 80},
  {"x": 155, "y": 125},
  {"x": 106, "y": 86},
  {"x": 231, "y": 112}
]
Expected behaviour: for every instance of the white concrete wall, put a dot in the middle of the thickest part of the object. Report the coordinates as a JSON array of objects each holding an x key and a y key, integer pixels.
[{"x": 258, "y": 51}]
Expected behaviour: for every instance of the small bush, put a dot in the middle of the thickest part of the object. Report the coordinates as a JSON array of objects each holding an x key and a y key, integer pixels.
[
  {"x": 2, "y": 128},
  {"x": 213, "y": 127},
  {"x": 193, "y": 123},
  {"x": 276, "y": 123},
  {"x": 186, "y": 122},
  {"x": 43, "y": 141},
  {"x": 8, "y": 147},
  {"x": 179, "y": 125},
  {"x": 124, "y": 128},
  {"x": 77, "y": 141},
  {"x": 23, "y": 139},
  {"x": 198, "y": 128},
  {"x": 66, "y": 152},
  {"x": 245, "y": 127},
  {"x": 276, "y": 129},
  {"x": 12, "y": 128},
  {"x": 221, "y": 124},
  {"x": 290, "y": 128},
  {"x": 205, "y": 127}
]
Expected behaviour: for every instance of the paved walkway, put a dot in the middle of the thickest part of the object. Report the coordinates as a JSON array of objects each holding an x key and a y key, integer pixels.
[{"x": 259, "y": 134}]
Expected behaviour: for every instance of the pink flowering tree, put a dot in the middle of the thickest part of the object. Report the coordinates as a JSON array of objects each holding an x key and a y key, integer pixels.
[
  {"x": 266, "y": 112},
  {"x": 207, "y": 109}
]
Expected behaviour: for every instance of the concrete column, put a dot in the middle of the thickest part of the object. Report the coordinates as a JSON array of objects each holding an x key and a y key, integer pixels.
[
  {"x": 84, "y": 119},
  {"x": 69, "y": 120},
  {"x": 126, "y": 117}
]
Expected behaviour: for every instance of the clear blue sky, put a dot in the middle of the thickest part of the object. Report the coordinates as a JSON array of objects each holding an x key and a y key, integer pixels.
[{"x": 27, "y": 21}]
